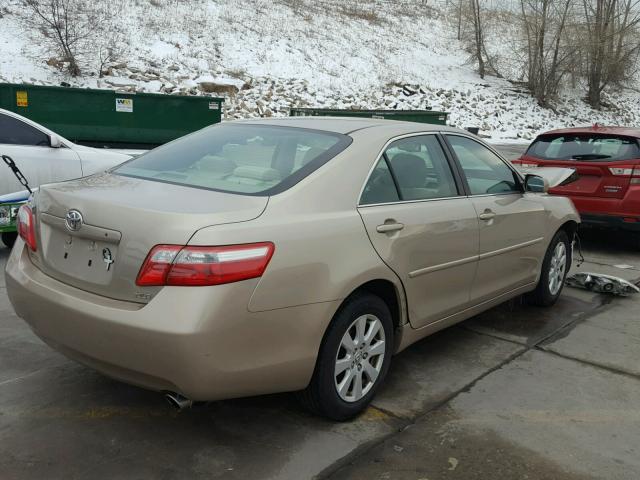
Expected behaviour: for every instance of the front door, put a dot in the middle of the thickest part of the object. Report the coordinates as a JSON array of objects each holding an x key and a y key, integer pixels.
[
  {"x": 422, "y": 227},
  {"x": 512, "y": 222}
]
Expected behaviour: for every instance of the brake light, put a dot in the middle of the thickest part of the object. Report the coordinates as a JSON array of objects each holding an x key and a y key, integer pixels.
[
  {"x": 26, "y": 226},
  {"x": 199, "y": 266},
  {"x": 621, "y": 171},
  {"x": 627, "y": 171}
]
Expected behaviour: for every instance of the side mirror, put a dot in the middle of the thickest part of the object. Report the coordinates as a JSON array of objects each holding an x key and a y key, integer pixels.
[
  {"x": 54, "y": 141},
  {"x": 535, "y": 183}
]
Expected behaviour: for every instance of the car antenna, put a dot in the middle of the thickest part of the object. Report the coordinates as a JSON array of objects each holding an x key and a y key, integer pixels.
[{"x": 16, "y": 171}]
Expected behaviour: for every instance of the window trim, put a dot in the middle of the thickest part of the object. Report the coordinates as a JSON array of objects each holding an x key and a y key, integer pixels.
[
  {"x": 30, "y": 126},
  {"x": 456, "y": 160},
  {"x": 460, "y": 185}
]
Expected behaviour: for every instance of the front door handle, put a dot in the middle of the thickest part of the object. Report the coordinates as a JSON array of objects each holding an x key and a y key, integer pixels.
[
  {"x": 486, "y": 215},
  {"x": 389, "y": 227}
]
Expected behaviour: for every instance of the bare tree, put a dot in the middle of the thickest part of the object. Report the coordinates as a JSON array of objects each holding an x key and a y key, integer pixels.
[
  {"x": 547, "y": 50},
  {"x": 612, "y": 44},
  {"x": 61, "y": 22},
  {"x": 108, "y": 45},
  {"x": 84, "y": 33},
  {"x": 478, "y": 32},
  {"x": 471, "y": 27}
]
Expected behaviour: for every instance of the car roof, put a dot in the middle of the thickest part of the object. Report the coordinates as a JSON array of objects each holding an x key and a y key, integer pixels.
[
  {"x": 609, "y": 130},
  {"x": 346, "y": 125}
]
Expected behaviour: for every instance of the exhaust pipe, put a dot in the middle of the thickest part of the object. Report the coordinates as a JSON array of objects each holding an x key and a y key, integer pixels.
[{"x": 177, "y": 401}]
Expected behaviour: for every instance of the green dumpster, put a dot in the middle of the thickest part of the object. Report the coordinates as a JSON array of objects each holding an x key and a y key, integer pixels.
[
  {"x": 107, "y": 117},
  {"x": 420, "y": 116}
]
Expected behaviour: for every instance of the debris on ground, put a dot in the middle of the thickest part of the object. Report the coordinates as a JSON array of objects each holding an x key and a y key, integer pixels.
[{"x": 598, "y": 282}]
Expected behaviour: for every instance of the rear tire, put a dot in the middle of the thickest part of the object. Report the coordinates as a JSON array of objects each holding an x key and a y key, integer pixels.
[
  {"x": 353, "y": 360},
  {"x": 9, "y": 238},
  {"x": 555, "y": 266}
]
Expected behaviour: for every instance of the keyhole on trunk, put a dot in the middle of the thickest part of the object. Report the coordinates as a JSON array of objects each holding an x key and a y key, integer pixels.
[
  {"x": 66, "y": 254},
  {"x": 90, "y": 261}
]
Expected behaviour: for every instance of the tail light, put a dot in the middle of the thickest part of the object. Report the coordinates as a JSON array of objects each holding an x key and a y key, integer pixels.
[
  {"x": 199, "y": 266},
  {"x": 627, "y": 171},
  {"x": 26, "y": 225}
]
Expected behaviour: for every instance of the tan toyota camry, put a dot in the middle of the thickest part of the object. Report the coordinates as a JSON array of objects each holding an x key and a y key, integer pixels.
[{"x": 293, "y": 254}]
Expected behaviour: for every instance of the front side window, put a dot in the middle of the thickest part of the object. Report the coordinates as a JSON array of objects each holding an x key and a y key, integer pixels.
[
  {"x": 413, "y": 168},
  {"x": 585, "y": 147},
  {"x": 15, "y": 132},
  {"x": 486, "y": 173},
  {"x": 245, "y": 159}
]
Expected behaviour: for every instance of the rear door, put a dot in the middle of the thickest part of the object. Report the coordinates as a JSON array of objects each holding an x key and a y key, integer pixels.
[
  {"x": 512, "y": 222},
  {"x": 604, "y": 162},
  {"x": 422, "y": 226},
  {"x": 38, "y": 161}
]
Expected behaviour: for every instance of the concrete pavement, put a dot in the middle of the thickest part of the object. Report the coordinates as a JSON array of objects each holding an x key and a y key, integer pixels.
[{"x": 514, "y": 392}]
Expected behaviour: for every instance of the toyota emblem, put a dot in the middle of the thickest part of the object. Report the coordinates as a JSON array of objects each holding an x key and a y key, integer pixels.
[{"x": 73, "y": 220}]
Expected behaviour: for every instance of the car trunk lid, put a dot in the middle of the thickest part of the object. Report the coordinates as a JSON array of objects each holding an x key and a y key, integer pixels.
[
  {"x": 122, "y": 219},
  {"x": 605, "y": 163},
  {"x": 607, "y": 180}
]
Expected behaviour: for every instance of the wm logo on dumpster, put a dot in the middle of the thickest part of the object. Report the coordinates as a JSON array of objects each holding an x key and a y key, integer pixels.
[{"x": 124, "y": 105}]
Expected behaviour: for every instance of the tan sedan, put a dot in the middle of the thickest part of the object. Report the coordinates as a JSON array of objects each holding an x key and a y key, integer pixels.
[{"x": 283, "y": 255}]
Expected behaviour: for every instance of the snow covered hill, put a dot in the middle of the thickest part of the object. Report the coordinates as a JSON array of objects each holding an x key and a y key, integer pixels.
[{"x": 270, "y": 55}]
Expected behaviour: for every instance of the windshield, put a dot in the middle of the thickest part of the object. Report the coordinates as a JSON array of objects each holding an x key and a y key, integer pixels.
[
  {"x": 585, "y": 147},
  {"x": 236, "y": 158}
]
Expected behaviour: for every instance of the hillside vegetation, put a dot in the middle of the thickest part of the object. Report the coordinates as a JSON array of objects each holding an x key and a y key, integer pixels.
[{"x": 266, "y": 56}]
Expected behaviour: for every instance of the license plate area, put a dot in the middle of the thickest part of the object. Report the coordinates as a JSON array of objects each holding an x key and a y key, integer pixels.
[{"x": 89, "y": 259}]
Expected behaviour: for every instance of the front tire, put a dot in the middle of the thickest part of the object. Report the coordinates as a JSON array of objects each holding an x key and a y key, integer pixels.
[
  {"x": 555, "y": 266},
  {"x": 353, "y": 360},
  {"x": 9, "y": 238}
]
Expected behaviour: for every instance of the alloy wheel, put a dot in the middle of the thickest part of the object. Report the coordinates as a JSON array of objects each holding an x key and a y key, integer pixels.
[
  {"x": 557, "y": 268},
  {"x": 360, "y": 358}
]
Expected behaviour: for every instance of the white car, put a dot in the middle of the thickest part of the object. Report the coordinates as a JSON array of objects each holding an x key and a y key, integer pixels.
[{"x": 44, "y": 156}]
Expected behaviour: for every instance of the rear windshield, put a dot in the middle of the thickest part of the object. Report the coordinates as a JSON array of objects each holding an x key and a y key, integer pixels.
[
  {"x": 584, "y": 147},
  {"x": 245, "y": 159}
]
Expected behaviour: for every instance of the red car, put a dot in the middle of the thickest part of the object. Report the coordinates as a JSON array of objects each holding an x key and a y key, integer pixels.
[{"x": 607, "y": 162}]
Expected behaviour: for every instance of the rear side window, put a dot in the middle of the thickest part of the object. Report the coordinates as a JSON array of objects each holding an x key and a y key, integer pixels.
[
  {"x": 15, "y": 132},
  {"x": 585, "y": 147},
  {"x": 245, "y": 159},
  {"x": 413, "y": 168},
  {"x": 380, "y": 187}
]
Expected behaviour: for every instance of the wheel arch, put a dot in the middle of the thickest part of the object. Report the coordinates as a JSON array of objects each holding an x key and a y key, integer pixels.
[
  {"x": 570, "y": 227},
  {"x": 390, "y": 292}
]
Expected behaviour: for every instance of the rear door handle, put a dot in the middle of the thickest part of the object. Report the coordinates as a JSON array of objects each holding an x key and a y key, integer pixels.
[
  {"x": 389, "y": 227},
  {"x": 486, "y": 215}
]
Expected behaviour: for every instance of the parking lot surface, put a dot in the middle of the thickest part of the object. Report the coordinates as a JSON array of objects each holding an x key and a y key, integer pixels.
[{"x": 517, "y": 392}]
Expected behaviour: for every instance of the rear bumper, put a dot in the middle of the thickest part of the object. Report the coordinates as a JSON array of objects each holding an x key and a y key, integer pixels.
[
  {"x": 610, "y": 221},
  {"x": 609, "y": 212},
  {"x": 201, "y": 342}
]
